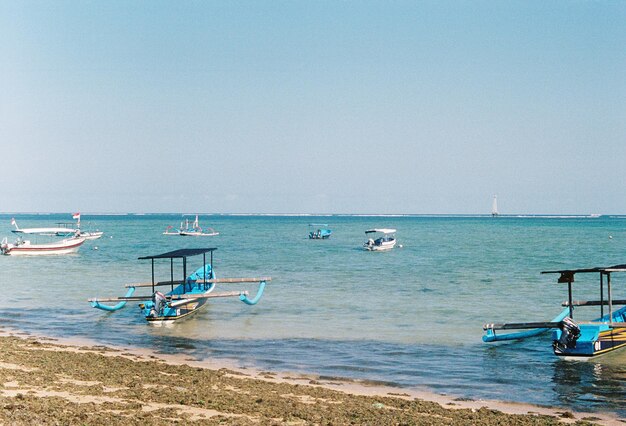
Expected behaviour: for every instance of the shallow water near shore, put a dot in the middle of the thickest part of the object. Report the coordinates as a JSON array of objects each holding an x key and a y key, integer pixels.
[{"x": 411, "y": 317}]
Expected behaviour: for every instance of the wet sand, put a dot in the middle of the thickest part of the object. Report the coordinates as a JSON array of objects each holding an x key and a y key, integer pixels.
[{"x": 48, "y": 382}]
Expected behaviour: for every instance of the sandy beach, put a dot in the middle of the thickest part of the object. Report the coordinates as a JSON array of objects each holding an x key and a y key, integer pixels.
[{"x": 45, "y": 381}]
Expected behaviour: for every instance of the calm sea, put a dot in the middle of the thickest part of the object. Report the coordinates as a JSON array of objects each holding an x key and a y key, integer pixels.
[{"x": 411, "y": 317}]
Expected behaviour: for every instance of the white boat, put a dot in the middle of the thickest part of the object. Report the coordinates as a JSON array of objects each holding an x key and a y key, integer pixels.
[
  {"x": 494, "y": 207},
  {"x": 27, "y": 248},
  {"x": 192, "y": 229},
  {"x": 91, "y": 235},
  {"x": 59, "y": 230},
  {"x": 380, "y": 239}
]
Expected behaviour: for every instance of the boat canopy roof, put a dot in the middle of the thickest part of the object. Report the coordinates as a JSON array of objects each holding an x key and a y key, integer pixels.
[
  {"x": 567, "y": 275},
  {"x": 176, "y": 254},
  {"x": 383, "y": 230},
  {"x": 615, "y": 268}
]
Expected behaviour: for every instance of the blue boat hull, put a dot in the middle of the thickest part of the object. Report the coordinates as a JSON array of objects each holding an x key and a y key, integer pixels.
[
  {"x": 155, "y": 313},
  {"x": 594, "y": 339}
]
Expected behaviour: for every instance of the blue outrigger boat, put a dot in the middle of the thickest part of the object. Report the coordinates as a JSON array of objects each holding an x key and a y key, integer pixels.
[
  {"x": 585, "y": 339},
  {"x": 186, "y": 296}
]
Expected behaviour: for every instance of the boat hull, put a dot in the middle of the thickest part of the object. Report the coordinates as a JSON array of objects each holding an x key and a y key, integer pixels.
[
  {"x": 197, "y": 234},
  {"x": 92, "y": 235},
  {"x": 384, "y": 246},
  {"x": 191, "y": 297},
  {"x": 174, "y": 314},
  {"x": 595, "y": 338},
  {"x": 320, "y": 234},
  {"x": 27, "y": 249}
]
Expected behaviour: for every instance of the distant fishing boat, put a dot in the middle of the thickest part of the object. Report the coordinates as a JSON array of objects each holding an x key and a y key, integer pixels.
[
  {"x": 59, "y": 230},
  {"x": 186, "y": 296},
  {"x": 319, "y": 231},
  {"x": 190, "y": 229},
  {"x": 585, "y": 339},
  {"x": 63, "y": 229},
  {"x": 381, "y": 239},
  {"x": 23, "y": 247},
  {"x": 494, "y": 207}
]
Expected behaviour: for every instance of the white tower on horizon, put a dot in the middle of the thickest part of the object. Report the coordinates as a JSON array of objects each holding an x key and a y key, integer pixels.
[{"x": 494, "y": 207}]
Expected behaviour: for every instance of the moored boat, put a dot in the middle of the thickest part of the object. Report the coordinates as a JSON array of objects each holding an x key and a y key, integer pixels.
[
  {"x": 26, "y": 248},
  {"x": 570, "y": 339},
  {"x": 319, "y": 231},
  {"x": 380, "y": 239},
  {"x": 63, "y": 229},
  {"x": 185, "y": 296},
  {"x": 190, "y": 229}
]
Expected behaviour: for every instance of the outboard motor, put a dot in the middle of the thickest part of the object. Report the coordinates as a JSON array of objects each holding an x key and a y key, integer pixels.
[
  {"x": 158, "y": 303},
  {"x": 570, "y": 332}
]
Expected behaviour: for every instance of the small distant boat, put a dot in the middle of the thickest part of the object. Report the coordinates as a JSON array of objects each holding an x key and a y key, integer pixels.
[
  {"x": 186, "y": 296},
  {"x": 26, "y": 247},
  {"x": 494, "y": 207},
  {"x": 190, "y": 229},
  {"x": 381, "y": 239},
  {"x": 319, "y": 231},
  {"x": 91, "y": 235},
  {"x": 585, "y": 339}
]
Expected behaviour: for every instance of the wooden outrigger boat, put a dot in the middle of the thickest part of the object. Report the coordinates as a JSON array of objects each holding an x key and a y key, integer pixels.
[
  {"x": 585, "y": 339},
  {"x": 186, "y": 296},
  {"x": 192, "y": 229}
]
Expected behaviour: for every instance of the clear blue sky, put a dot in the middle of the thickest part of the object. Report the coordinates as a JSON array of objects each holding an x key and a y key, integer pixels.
[{"x": 313, "y": 106}]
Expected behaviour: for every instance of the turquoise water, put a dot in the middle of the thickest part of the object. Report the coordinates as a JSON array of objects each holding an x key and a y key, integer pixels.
[{"x": 411, "y": 317}]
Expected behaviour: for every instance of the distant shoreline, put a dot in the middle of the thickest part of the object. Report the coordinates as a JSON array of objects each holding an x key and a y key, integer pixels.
[{"x": 365, "y": 215}]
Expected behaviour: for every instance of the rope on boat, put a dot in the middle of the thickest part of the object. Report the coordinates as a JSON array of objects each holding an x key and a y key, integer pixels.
[{"x": 98, "y": 305}]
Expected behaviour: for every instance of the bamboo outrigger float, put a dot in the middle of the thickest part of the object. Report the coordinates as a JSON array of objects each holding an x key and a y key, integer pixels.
[
  {"x": 570, "y": 339},
  {"x": 186, "y": 296}
]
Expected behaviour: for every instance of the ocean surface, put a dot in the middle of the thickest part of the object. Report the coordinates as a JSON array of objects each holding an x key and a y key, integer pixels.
[{"x": 411, "y": 317}]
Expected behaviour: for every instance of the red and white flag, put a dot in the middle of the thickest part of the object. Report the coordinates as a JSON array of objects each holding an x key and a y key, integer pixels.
[{"x": 76, "y": 216}]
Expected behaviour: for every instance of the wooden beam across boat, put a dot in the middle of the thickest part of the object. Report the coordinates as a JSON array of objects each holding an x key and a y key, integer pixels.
[
  {"x": 593, "y": 302},
  {"x": 186, "y": 300},
  {"x": 213, "y": 280},
  {"x": 160, "y": 283},
  {"x": 236, "y": 280},
  {"x": 525, "y": 325},
  {"x": 176, "y": 297}
]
